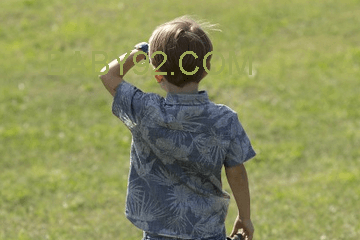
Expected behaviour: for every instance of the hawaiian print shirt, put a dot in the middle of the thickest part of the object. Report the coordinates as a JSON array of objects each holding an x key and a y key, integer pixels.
[{"x": 179, "y": 145}]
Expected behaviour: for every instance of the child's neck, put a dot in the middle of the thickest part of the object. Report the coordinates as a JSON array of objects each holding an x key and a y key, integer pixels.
[{"x": 191, "y": 88}]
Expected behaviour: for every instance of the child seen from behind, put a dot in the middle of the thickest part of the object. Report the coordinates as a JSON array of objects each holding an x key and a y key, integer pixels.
[{"x": 181, "y": 142}]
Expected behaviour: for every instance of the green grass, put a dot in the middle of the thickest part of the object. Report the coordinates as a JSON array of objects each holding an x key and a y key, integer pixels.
[{"x": 64, "y": 157}]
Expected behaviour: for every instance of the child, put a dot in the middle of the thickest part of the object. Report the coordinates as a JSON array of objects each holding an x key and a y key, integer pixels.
[{"x": 180, "y": 143}]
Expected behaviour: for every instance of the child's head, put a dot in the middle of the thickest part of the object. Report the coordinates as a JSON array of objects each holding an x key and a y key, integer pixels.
[{"x": 174, "y": 38}]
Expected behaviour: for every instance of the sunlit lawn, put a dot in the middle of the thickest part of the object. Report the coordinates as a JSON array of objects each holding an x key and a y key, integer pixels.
[{"x": 64, "y": 157}]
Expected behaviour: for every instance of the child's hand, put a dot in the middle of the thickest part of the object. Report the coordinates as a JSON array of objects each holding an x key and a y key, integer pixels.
[{"x": 246, "y": 225}]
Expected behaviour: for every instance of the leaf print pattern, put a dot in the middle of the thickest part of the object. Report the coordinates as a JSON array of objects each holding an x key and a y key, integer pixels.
[
  {"x": 168, "y": 146},
  {"x": 163, "y": 177},
  {"x": 208, "y": 225},
  {"x": 223, "y": 121},
  {"x": 141, "y": 148},
  {"x": 134, "y": 193},
  {"x": 177, "y": 224},
  {"x": 146, "y": 210},
  {"x": 212, "y": 147},
  {"x": 180, "y": 144},
  {"x": 143, "y": 169},
  {"x": 179, "y": 196}
]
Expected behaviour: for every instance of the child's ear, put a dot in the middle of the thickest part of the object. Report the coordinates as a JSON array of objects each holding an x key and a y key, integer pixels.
[
  {"x": 208, "y": 68},
  {"x": 158, "y": 77},
  {"x": 208, "y": 64}
]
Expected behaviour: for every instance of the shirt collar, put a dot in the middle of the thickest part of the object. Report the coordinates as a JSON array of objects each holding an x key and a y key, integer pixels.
[{"x": 187, "y": 99}]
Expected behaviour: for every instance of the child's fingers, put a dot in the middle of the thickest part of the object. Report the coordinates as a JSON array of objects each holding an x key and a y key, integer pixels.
[
  {"x": 248, "y": 235},
  {"x": 234, "y": 231}
]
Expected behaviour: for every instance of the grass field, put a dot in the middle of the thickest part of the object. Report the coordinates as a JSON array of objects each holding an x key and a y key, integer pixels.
[{"x": 64, "y": 157}]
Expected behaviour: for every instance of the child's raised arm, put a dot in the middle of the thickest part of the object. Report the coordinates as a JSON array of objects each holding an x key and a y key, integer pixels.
[
  {"x": 114, "y": 76},
  {"x": 239, "y": 185}
]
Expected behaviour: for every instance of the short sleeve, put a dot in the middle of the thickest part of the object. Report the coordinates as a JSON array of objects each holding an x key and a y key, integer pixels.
[
  {"x": 240, "y": 148},
  {"x": 129, "y": 103}
]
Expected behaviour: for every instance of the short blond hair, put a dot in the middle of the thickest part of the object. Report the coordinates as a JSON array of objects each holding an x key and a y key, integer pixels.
[{"x": 174, "y": 38}]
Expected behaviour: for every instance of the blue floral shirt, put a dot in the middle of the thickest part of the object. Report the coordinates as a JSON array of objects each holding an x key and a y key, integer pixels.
[{"x": 179, "y": 145}]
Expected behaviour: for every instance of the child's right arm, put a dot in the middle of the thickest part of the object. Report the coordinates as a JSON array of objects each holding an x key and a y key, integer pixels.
[{"x": 239, "y": 185}]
